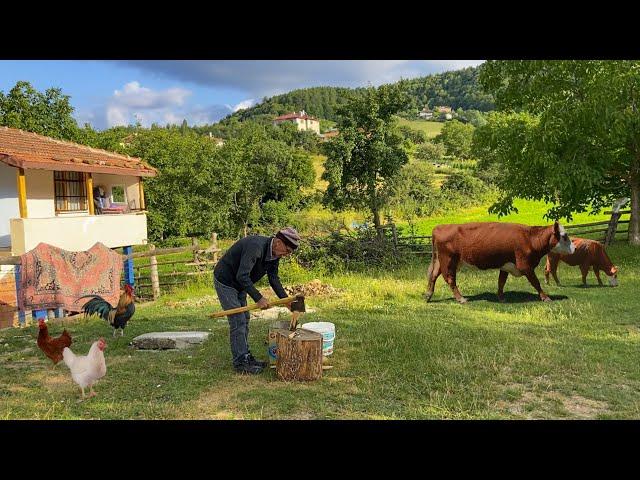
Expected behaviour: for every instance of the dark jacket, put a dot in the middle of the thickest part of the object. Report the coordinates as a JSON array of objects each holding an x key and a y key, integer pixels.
[{"x": 245, "y": 263}]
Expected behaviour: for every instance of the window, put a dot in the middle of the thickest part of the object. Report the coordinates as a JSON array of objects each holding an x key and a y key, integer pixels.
[
  {"x": 70, "y": 192},
  {"x": 117, "y": 194}
]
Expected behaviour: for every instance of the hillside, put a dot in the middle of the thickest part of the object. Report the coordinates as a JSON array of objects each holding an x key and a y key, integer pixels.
[{"x": 457, "y": 89}]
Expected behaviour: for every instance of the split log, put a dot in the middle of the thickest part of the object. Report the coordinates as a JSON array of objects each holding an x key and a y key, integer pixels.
[{"x": 299, "y": 357}]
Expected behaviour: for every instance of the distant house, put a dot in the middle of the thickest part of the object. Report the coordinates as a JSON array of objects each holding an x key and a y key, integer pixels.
[
  {"x": 219, "y": 141},
  {"x": 301, "y": 120},
  {"x": 425, "y": 113},
  {"x": 447, "y": 112}
]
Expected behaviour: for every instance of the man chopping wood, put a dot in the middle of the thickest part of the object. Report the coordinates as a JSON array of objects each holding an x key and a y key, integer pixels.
[{"x": 246, "y": 262}]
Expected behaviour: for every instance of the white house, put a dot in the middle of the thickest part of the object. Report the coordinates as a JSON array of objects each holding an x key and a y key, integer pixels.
[
  {"x": 47, "y": 195},
  {"x": 425, "y": 113},
  {"x": 301, "y": 120}
]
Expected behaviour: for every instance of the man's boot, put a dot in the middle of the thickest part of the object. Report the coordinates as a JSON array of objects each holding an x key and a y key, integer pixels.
[
  {"x": 246, "y": 366},
  {"x": 253, "y": 360}
]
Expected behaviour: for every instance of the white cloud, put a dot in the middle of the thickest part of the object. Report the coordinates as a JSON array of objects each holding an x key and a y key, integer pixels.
[
  {"x": 243, "y": 104},
  {"x": 137, "y": 103},
  {"x": 135, "y": 96}
]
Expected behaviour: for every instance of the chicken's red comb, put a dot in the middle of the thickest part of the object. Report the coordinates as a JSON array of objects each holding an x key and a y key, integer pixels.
[{"x": 128, "y": 288}]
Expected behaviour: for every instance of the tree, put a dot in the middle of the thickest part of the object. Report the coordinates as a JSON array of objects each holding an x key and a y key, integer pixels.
[
  {"x": 413, "y": 192},
  {"x": 416, "y": 136},
  {"x": 578, "y": 126},
  {"x": 47, "y": 113},
  {"x": 267, "y": 170},
  {"x": 368, "y": 153},
  {"x": 456, "y": 138},
  {"x": 474, "y": 117},
  {"x": 430, "y": 152},
  {"x": 179, "y": 201}
]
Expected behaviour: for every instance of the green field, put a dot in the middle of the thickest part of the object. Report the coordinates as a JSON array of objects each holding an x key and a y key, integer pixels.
[
  {"x": 530, "y": 212},
  {"x": 431, "y": 129},
  {"x": 396, "y": 357}
]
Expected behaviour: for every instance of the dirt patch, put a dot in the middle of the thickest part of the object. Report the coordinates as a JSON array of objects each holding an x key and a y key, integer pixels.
[
  {"x": 207, "y": 300},
  {"x": 56, "y": 379},
  {"x": 224, "y": 401},
  {"x": 582, "y": 407},
  {"x": 544, "y": 404}
]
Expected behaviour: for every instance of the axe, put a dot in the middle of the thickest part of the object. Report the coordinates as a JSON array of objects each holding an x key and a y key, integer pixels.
[{"x": 297, "y": 307}]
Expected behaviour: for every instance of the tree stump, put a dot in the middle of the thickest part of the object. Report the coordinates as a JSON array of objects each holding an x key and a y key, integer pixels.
[{"x": 299, "y": 356}]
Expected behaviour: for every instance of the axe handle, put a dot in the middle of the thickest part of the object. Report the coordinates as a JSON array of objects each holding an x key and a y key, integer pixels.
[{"x": 251, "y": 307}]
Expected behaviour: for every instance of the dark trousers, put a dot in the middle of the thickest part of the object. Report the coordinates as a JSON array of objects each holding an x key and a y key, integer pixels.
[{"x": 238, "y": 322}]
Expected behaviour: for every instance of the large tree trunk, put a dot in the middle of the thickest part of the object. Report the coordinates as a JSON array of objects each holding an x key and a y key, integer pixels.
[
  {"x": 298, "y": 355},
  {"x": 634, "y": 222}
]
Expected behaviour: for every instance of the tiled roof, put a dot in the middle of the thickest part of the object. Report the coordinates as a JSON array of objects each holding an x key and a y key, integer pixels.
[
  {"x": 291, "y": 116},
  {"x": 29, "y": 150}
]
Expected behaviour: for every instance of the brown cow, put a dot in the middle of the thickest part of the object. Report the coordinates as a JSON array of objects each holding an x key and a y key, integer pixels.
[
  {"x": 510, "y": 247},
  {"x": 588, "y": 253}
]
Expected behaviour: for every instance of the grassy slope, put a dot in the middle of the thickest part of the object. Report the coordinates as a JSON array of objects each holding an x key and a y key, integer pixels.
[{"x": 431, "y": 129}]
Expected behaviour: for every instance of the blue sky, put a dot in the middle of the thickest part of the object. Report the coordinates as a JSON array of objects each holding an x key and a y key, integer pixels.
[{"x": 108, "y": 93}]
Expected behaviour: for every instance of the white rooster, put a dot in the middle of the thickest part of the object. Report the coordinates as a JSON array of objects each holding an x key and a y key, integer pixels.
[{"x": 87, "y": 369}]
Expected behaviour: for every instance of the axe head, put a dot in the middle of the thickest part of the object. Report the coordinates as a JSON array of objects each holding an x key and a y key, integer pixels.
[{"x": 298, "y": 304}]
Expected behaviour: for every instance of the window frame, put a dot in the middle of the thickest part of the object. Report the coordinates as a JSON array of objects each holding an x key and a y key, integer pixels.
[
  {"x": 124, "y": 193},
  {"x": 63, "y": 185}
]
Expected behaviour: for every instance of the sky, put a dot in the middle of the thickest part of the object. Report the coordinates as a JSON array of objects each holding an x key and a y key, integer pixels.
[{"x": 106, "y": 93}]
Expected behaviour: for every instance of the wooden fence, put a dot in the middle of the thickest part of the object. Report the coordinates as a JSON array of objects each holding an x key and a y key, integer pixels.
[{"x": 155, "y": 276}]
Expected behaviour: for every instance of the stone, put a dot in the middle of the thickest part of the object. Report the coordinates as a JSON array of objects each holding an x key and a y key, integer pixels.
[{"x": 168, "y": 340}]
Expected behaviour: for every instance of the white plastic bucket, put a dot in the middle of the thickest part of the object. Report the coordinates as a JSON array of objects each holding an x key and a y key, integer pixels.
[{"x": 328, "y": 332}]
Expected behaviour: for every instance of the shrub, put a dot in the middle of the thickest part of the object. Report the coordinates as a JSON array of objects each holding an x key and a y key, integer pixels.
[{"x": 430, "y": 152}]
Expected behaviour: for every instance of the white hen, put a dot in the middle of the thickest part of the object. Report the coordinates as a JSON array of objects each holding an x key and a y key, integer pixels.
[{"x": 87, "y": 369}]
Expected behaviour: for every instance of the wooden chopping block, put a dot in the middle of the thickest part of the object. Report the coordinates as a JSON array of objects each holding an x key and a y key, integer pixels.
[{"x": 299, "y": 357}]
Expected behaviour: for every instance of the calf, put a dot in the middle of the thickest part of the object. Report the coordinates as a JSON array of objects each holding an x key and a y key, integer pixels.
[
  {"x": 510, "y": 247},
  {"x": 587, "y": 254}
]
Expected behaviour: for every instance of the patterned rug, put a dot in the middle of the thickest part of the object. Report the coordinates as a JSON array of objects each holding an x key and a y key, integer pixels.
[{"x": 51, "y": 277}]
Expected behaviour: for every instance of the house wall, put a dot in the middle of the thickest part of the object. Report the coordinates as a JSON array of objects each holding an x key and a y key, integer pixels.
[
  {"x": 40, "y": 193},
  {"x": 8, "y": 301},
  {"x": 314, "y": 126},
  {"x": 9, "y": 207},
  {"x": 78, "y": 233}
]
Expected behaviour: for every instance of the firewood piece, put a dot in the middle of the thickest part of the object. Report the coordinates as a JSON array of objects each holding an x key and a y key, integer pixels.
[
  {"x": 294, "y": 321},
  {"x": 299, "y": 358}
]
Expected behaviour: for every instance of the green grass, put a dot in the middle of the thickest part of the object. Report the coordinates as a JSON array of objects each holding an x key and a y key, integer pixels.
[
  {"x": 431, "y": 129},
  {"x": 530, "y": 212},
  {"x": 318, "y": 167},
  {"x": 396, "y": 357}
]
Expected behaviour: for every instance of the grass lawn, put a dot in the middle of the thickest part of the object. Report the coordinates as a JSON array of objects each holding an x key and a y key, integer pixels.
[
  {"x": 396, "y": 357},
  {"x": 318, "y": 167},
  {"x": 530, "y": 213},
  {"x": 431, "y": 129}
]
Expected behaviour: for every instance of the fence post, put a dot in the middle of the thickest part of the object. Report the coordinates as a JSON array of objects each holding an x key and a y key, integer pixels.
[
  {"x": 214, "y": 244},
  {"x": 611, "y": 229},
  {"x": 22, "y": 320},
  {"x": 395, "y": 236},
  {"x": 155, "y": 281},
  {"x": 194, "y": 244},
  {"x": 128, "y": 266}
]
